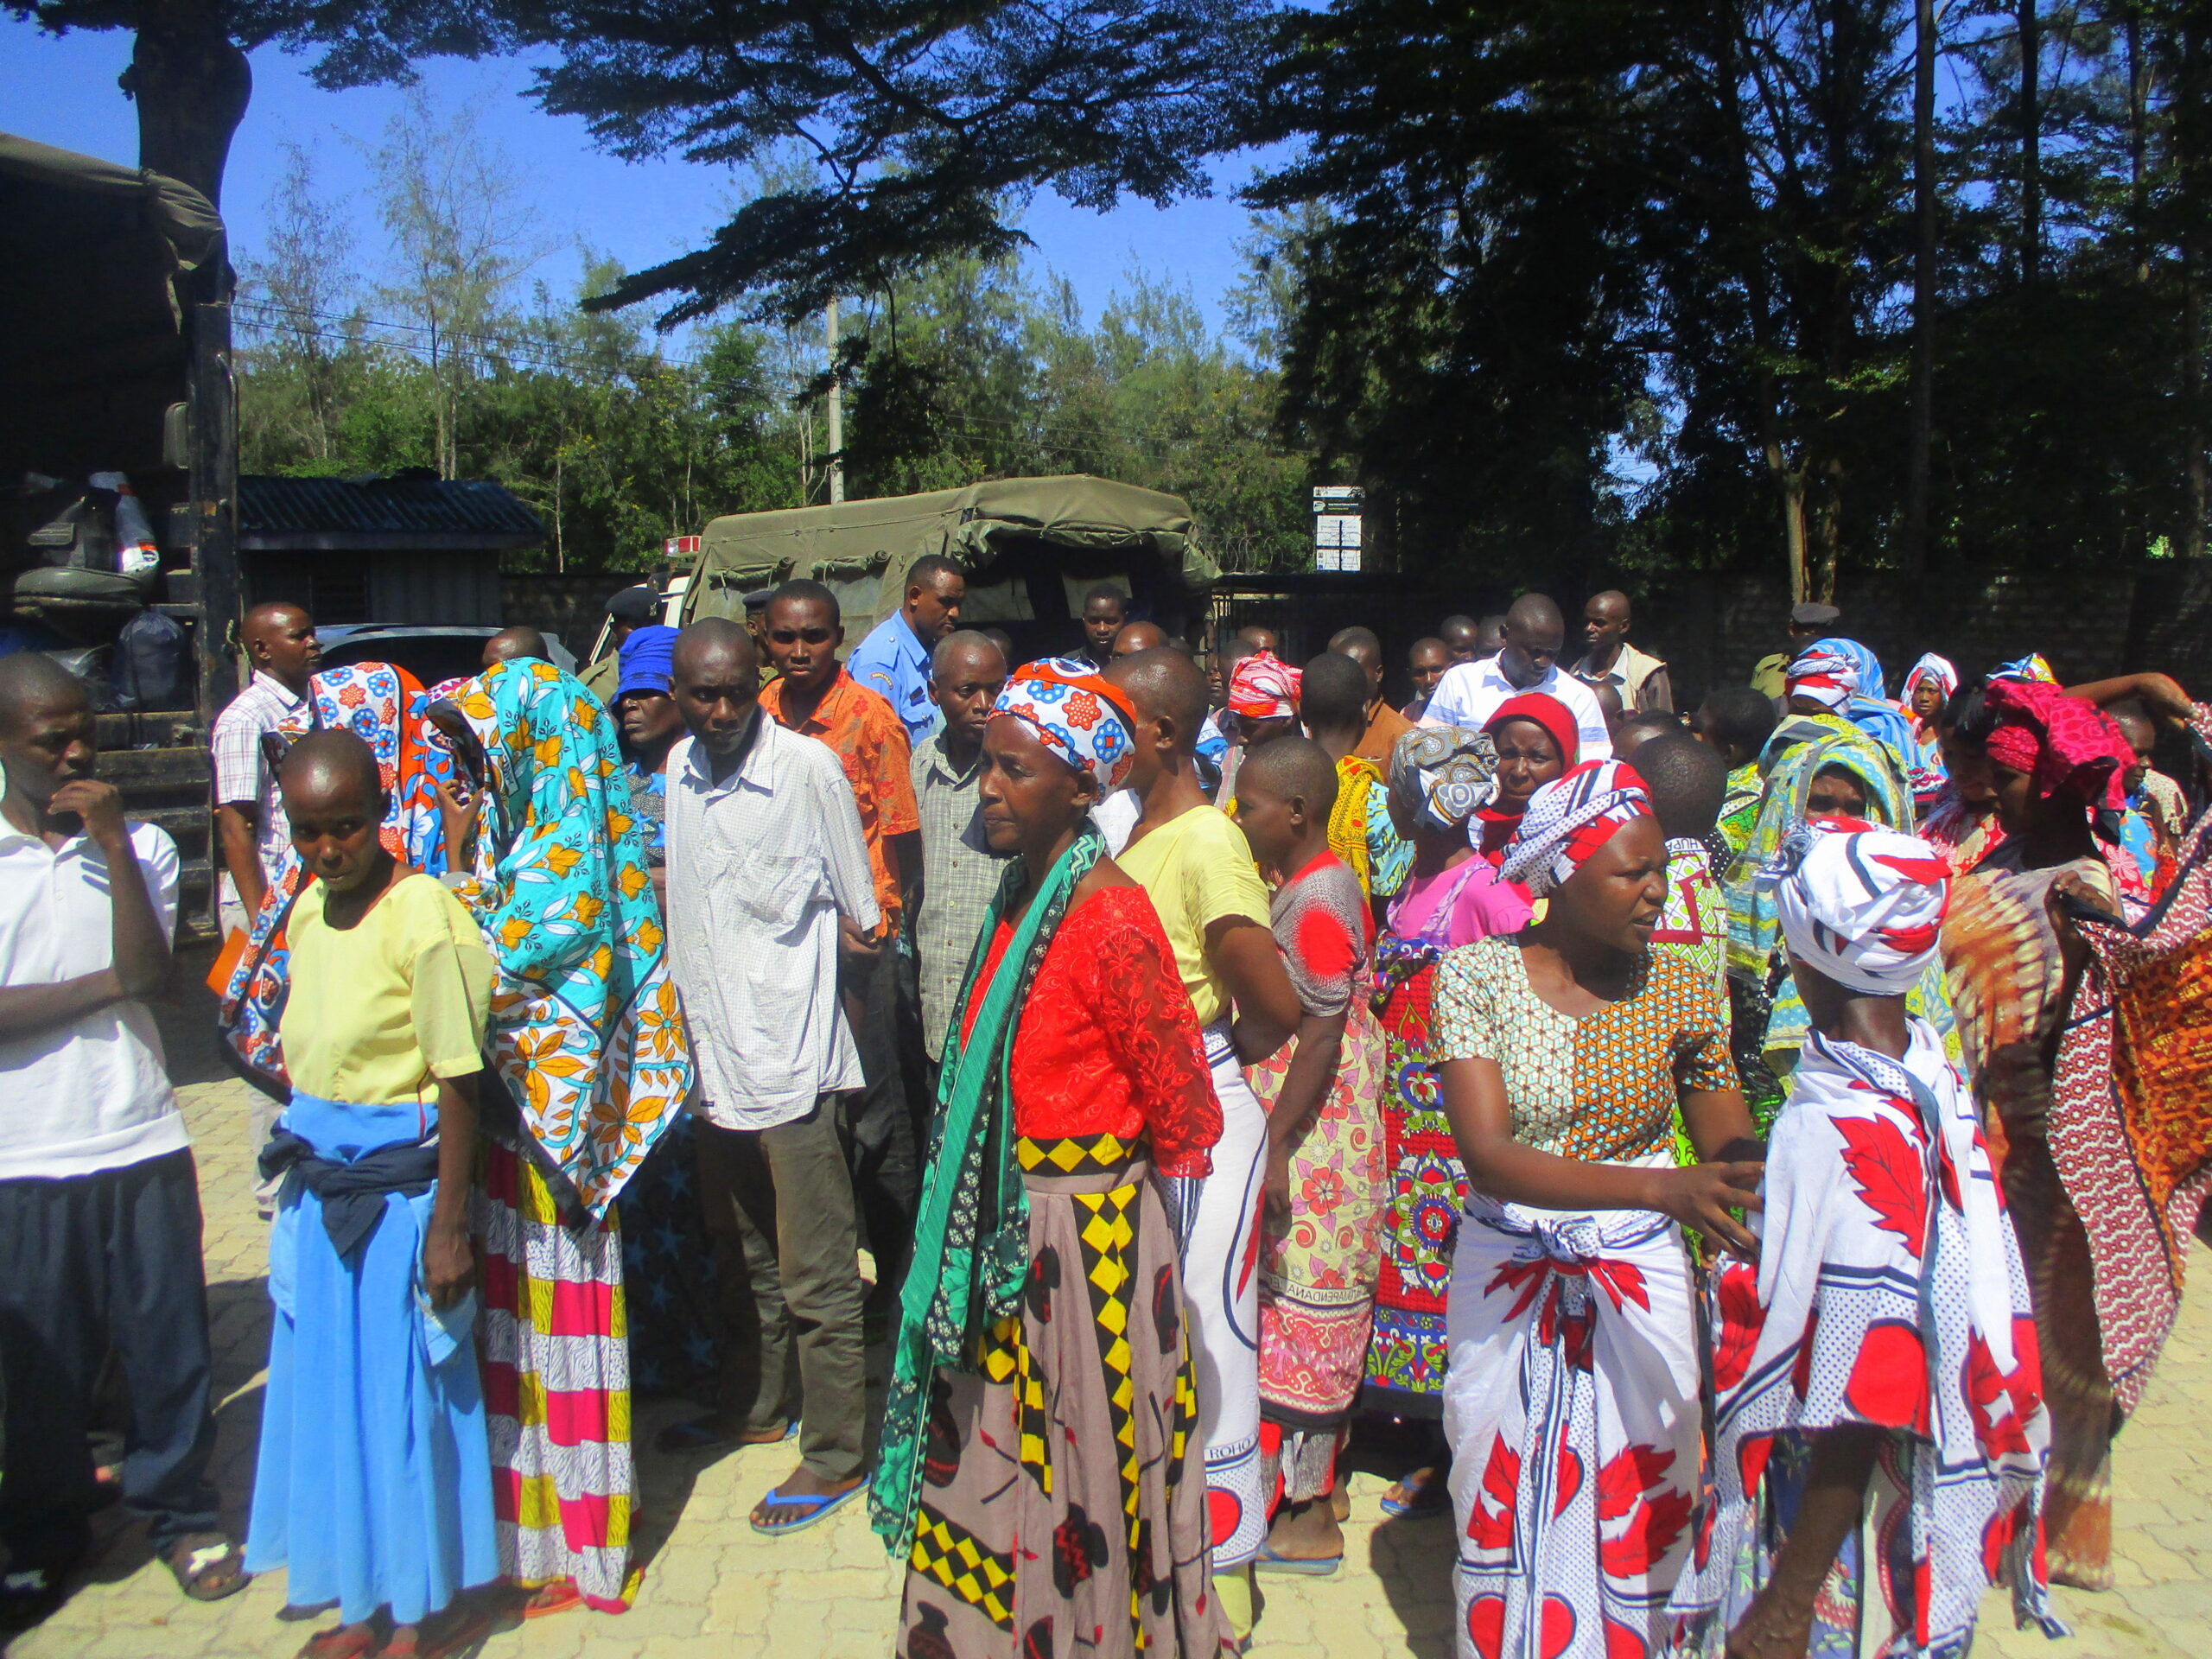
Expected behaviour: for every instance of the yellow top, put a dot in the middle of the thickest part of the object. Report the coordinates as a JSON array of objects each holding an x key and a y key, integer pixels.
[
  {"x": 1198, "y": 868},
  {"x": 379, "y": 1011}
]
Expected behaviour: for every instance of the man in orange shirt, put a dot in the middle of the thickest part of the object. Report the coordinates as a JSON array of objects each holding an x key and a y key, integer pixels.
[{"x": 814, "y": 697}]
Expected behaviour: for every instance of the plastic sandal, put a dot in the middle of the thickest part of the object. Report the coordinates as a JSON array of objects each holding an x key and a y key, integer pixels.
[
  {"x": 815, "y": 1509},
  {"x": 1431, "y": 1497},
  {"x": 1306, "y": 1567}
]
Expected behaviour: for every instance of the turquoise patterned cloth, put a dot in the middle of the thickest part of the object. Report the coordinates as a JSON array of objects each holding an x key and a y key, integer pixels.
[
  {"x": 586, "y": 1029},
  {"x": 1802, "y": 746}
]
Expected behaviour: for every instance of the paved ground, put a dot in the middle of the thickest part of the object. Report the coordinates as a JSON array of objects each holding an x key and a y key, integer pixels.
[{"x": 715, "y": 1588}]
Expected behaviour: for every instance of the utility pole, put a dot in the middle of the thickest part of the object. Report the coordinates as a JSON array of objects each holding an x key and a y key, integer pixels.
[
  {"x": 836, "y": 413},
  {"x": 1917, "y": 465}
]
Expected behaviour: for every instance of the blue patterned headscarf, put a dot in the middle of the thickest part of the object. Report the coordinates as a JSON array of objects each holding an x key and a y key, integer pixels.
[{"x": 586, "y": 1029}]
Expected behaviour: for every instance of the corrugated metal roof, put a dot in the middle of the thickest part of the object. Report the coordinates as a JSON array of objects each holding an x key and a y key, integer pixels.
[{"x": 277, "y": 514}]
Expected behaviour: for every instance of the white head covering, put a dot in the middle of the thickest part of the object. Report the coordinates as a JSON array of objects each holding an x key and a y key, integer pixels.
[{"x": 1861, "y": 904}]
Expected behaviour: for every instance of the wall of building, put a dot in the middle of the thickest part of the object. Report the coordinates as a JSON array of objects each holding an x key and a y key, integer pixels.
[{"x": 572, "y": 606}]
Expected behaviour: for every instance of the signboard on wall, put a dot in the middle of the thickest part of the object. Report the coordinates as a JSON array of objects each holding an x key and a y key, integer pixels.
[{"x": 1336, "y": 526}]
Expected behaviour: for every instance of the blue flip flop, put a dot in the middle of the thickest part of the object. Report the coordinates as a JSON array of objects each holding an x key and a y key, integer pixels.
[
  {"x": 1435, "y": 1498},
  {"x": 1311, "y": 1566},
  {"x": 815, "y": 1510}
]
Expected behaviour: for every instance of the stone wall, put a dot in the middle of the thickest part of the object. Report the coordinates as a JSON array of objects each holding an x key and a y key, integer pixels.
[
  {"x": 1715, "y": 628},
  {"x": 571, "y": 606}
]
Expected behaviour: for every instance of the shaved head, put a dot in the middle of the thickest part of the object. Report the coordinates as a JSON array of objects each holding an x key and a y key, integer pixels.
[
  {"x": 966, "y": 646},
  {"x": 711, "y": 638},
  {"x": 1164, "y": 684},
  {"x": 1293, "y": 768},
  {"x": 1139, "y": 636},
  {"x": 1533, "y": 611},
  {"x": 1534, "y": 633},
  {"x": 1612, "y": 602},
  {"x": 328, "y": 769},
  {"x": 1333, "y": 695},
  {"x": 31, "y": 679},
  {"x": 521, "y": 640},
  {"x": 278, "y": 614}
]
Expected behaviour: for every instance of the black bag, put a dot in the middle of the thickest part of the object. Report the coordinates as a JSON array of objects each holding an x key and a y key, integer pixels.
[{"x": 150, "y": 666}]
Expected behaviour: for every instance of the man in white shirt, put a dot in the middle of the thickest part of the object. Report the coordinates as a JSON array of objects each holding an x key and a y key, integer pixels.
[
  {"x": 250, "y": 827},
  {"x": 1471, "y": 693},
  {"x": 99, "y": 1201},
  {"x": 765, "y": 864}
]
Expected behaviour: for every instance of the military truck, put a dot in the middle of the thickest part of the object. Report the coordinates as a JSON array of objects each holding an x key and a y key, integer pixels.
[{"x": 115, "y": 340}]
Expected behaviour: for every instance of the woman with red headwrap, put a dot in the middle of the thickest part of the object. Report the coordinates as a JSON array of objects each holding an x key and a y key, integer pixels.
[{"x": 2068, "y": 1015}]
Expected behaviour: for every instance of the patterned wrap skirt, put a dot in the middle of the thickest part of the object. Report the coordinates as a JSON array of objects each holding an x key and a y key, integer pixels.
[
  {"x": 1220, "y": 1215},
  {"x": 1317, "y": 1269},
  {"x": 556, "y": 1379},
  {"x": 1063, "y": 1500},
  {"x": 1425, "y": 1188},
  {"x": 1572, "y": 1407}
]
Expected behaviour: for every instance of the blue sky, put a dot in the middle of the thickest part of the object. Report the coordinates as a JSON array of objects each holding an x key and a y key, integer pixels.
[{"x": 63, "y": 91}]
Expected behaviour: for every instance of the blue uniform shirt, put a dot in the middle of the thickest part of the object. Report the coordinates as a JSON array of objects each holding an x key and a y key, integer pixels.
[{"x": 893, "y": 663}]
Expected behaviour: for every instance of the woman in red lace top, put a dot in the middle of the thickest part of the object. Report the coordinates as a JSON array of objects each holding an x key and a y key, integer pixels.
[{"x": 1041, "y": 1469}]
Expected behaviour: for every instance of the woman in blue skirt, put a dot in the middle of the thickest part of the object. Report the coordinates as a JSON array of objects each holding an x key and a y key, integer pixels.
[{"x": 374, "y": 1486}]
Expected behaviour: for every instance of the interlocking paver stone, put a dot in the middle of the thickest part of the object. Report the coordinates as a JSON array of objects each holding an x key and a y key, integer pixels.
[{"x": 713, "y": 1588}]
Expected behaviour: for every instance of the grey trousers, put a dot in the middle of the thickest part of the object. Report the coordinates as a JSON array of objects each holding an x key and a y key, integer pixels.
[{"x": 779, "y": 1208}]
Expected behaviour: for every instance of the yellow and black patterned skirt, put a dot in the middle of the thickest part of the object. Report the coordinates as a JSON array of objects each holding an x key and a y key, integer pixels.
[{"x": 1064, "y": 1488}]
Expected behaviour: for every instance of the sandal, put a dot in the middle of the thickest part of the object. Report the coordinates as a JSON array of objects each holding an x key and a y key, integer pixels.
[
  {"x": 340, "y": 1641},
  {"x": 452, "y": 1631},
  {"x": 559, "y": 1596},
  {"x": 808, "y": 1512},
  {"x": 1304, "y": 1566},
  {"x": 1430, "y": 1497},
  {"x": 206, "y": 1566}
]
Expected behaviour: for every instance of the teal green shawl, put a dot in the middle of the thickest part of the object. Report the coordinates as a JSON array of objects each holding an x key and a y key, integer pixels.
[{"x": 971, "y": 1237}]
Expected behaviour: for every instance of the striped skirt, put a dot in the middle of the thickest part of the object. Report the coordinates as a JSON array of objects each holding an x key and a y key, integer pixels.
[
  {"x": 1064, "y": 1499},
  {"x": 557, "y": 1383}
]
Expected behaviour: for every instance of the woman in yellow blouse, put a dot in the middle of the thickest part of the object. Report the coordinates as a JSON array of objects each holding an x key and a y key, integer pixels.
[{"x": 374, "y": 1483}]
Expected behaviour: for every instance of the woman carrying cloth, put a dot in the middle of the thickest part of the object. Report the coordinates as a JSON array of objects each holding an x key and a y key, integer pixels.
[
  {"x": 1879, "y": 1425},
  {"x": 1564, "y": 1052},
  {"x": 2081, "y": 1034},
  {"x": 1041, "y": 1470},
  {"x": 1441, "y": 780},
  {"x": 588, "y": 1040}
]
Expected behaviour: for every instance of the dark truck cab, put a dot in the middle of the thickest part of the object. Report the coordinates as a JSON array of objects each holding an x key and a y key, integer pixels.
[{"x": 115, "y": 342}]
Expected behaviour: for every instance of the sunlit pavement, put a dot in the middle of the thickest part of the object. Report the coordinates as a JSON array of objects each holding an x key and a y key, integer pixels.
[{"x": 713, "y": 1587}]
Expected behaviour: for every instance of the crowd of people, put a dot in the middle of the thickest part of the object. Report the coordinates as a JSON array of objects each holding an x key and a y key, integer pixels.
[{"x": 1745, "y": 1156}]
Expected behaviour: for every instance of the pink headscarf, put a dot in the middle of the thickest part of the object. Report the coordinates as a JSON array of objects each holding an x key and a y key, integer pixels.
[
  {"x": 1264, "y": 686},
  {"x": 2067, "y": 745}
]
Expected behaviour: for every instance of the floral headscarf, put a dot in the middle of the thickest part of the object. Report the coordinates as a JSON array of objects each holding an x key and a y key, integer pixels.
[
  {"x": 2068, "y": 745},
  {"x": 1075, "y": 714},
  {"x": 586, "y": 1029},
  {"x": 1264, "y": 686},
  {"x": 1450, "y": 771},
  {"x": 369, "y": 700},
  {"x": 1569, "y": 819}
]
